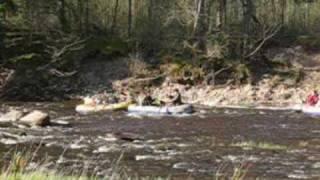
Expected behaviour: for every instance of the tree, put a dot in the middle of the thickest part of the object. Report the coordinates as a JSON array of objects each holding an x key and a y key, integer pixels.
[
  {"x": 248, "y": 15},
  {"x": 200, "y": 25},
  {"x": 62, "y": 16},
  {"x": 115, "y": 15},
  {"x": 87, "y": 18},
  {"x": 221, "y": 14},
  {"x": 2, "y": 31},
  {"x": 80, "y": 15},
  {"x": 129, "y": 18}
]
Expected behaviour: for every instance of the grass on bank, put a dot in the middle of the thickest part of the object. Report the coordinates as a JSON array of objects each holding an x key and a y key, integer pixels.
[
  {"x": 41, "y": 176},
  {"x": 18, "y": 169},
  {"x": 240, "y": 172}
]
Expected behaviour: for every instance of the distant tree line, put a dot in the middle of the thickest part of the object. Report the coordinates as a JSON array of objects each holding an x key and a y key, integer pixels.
[{"x": 167, "y": 24}]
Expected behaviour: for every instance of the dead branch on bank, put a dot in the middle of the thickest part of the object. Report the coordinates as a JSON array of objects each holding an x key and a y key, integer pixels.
[
  {"x": 213, "y": 74},
  {"x": 267, "y": 33},
  {"x": 317, "y": 68},
  {"x": 56, "y": 53},
  {"x": 61, "y": 74},
  {"x": 57, "y": 50},
  {"x": 140, "y": 80}
]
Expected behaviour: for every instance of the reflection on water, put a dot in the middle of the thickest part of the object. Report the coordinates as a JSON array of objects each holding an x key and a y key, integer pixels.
[{"x": 276, "y": 144}]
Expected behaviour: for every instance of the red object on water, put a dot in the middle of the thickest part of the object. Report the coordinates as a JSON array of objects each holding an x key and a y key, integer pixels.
[{"x": 312, "y": 99}]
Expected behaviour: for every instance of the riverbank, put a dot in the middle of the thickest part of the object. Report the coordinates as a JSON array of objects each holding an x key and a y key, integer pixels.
[
  {"x": 270, "y": 91},
  {"x": 282, "y": 87},
  {"x": 118, "y": 77}
]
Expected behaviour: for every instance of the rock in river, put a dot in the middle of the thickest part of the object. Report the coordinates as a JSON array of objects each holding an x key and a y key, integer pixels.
[
  {"x": 36, "y": 118},
  {"x": 13, "y": 115}
]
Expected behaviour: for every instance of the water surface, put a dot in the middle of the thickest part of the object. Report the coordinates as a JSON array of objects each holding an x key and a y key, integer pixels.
[{"x": 271, "y": 144}]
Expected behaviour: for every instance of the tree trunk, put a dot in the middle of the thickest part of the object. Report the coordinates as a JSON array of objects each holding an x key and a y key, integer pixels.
[
  {"x": 200, "y": 25},
  {"x": 80, "y": 16},
  {"x": 150, "y": 10},
  {"x": 1, "y": 42},
  {"x": 115, "y": 15},
  {"x": 154, "y": 25},
  {"x": 62, "y": 16},
  {"x": 2, "y": 33},
  {"x": 87, "y": 18},
  {"x": 129, "y": 18},
  {"x": 222, "y": 14},
  {"x": 248, "y": 14},
  {"x": 210, "y": 23}
]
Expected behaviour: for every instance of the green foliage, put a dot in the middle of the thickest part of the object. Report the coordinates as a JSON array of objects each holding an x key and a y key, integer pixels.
[
  {"x": 221, "y": 46},
  {"x": 179, "y": 68},
  {"x": 308, "y": 41},
  {"x": 138, "y": 67},
  {"x": 109, "y": 47},
  {"x": 30, "y": 58},
  {"x": 282, "y": 61},
  {"x": 2, "y": 8},
  {"x": 242, "y": 72},
  {"x": 163, "y": 27},
  {"x": 291, "y": 77}
]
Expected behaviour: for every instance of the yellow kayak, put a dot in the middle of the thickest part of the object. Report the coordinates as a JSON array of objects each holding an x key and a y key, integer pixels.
[{"x": 88, "y": 108}]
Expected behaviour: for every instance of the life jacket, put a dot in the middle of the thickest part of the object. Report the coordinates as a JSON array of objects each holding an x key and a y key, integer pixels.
[{"x": 312, "y": 99}]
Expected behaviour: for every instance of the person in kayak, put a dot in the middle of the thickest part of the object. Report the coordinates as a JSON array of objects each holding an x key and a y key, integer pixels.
[
  {"x": 173, "y": 99},
  {"x": 313, "y": 98},
  {"x": 145, "y": 99}
]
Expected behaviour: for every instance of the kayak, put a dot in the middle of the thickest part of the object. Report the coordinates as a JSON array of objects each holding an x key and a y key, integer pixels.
[
  {"x": 86, "y": 108},
  {"x": 311, "y": 110},
  {"x": 167, "y": 110}
]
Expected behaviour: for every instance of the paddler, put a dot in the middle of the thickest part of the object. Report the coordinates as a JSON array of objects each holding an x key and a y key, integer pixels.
[
  {"x": 313, "y": 98},
  {"x": 174, "y": 99},
  {"x": 145, "y": 99},
  {"x": 89, "y": 101}
]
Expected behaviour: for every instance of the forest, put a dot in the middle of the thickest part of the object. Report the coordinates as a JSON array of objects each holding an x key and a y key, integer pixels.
[
  {"x": 159, "y": 89},
  {"x": 214, "y": 39}
]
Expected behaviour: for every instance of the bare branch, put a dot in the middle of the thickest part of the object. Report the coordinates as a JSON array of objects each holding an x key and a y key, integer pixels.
[
  {"x": 221, "y": 70},
  {"x": 62, "y": 74},
  {"x": 267, "y": 34},
  {"x": 57, "y": 53}
]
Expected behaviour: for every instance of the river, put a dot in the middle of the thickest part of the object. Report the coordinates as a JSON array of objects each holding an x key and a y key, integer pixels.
[{"x": 268, "y": 144}]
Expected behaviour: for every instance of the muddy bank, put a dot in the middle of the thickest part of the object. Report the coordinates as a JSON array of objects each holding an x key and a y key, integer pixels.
[
  {"x": 98, "y": 75},
  {"x": 262, "y": 94},
  {"x": 270, "y": 91},
  {"x": 285, "y": 85}
]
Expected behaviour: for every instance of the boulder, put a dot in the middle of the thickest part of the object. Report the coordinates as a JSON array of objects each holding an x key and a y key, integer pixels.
[
  {"x": 36, "y": 118},
  {"x": 13, "y": 115}
]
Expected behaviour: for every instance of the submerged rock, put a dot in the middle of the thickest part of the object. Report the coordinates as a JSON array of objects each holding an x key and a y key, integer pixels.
[
  {"x": 183, "y": 165},
  {"x": 62, "y": 123},
  {"x": 109, "y": 138},
  {"x": 78, "y": 146},
  {"x": 298, "y": 175},
  {"x": 152, "y": 157},
  {"x": 8, "y": 141},
  {"x": 36, "y": 118},
  {"x": 316, "y": 165},
  {"x": 11, "y": 116},
  {"x": 107, "y": 149}
]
